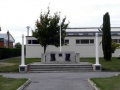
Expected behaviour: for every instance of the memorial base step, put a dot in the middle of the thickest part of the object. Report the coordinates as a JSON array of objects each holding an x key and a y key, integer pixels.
[{"x": 39, "y": 67}]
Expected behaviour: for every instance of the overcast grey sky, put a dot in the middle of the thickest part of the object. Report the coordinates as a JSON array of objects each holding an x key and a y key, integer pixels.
[{"x": 15, "y": 15}]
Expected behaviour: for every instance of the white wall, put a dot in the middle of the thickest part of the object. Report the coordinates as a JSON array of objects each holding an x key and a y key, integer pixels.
[{"x": 85, "y": 50}]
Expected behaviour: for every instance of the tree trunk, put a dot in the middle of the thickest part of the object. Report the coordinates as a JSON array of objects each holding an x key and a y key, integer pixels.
[{"x": 45, "y": 48}]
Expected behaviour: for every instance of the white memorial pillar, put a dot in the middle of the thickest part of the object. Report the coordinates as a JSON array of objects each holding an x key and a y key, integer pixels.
[
  {"x": 97, "y": 49},
  {"x": 28, "y": 27},
  {"x": 22, "y": 53},
  {"x": 97, "y": 66},
  {"x": 60, "y": 34},
  {"x": 22, "y": 67}
]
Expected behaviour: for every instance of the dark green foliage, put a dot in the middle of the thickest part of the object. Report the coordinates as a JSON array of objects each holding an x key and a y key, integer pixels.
[
  {"x": 106, "y": 37},
  {"x": 9, "y": 52},
  {"x": 47, "y": 29},
  {"x": 115, "y": 46},
  {"x": 18, "y": 45}
]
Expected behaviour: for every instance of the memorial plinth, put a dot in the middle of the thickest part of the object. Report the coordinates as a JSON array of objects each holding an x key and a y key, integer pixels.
[{"x": 60, "y": 57}]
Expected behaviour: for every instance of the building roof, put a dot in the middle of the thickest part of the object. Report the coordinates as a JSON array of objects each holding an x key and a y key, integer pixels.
[
  {"x": 5, "y": 37},
  {"x": 90, "y": 31}
]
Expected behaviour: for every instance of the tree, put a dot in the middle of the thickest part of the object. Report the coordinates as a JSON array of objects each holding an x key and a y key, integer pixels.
[
  {"x": 106, "y": 37},
  {"x": 48, "y": 29},
  {"x": 17, "y": 45},
  {"x": 114, "y": 46}
]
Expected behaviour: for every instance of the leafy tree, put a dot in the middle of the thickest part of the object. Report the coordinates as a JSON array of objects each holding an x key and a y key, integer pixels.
[
  {"x": 106, "y": 37},
  {"x": 48, "y": 29},
  {"x": 18, "y": 45},
  {"x": 114, "y": 46}
]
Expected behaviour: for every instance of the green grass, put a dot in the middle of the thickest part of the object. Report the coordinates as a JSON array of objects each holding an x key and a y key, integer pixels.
[
  {"x": 16, "y": 62},
  {"x": 113, "y": 65},
  {"x": 10, "y": 83},
  {"x": 110, "y": 83}
]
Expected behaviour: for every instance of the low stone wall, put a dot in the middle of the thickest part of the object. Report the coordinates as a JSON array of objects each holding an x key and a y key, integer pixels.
[{"x": 60, "y": 57}]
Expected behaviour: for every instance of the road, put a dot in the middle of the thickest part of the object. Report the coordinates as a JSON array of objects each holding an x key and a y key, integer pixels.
[{"x": 60, "y": 81}]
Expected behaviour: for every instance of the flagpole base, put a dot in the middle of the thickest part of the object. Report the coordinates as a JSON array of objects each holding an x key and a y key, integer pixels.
[
  {"x": 22, "y": 68},
  {"x": 97, "y": 67}
]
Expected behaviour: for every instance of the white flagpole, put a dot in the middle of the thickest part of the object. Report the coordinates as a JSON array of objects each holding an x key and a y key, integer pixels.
[
  {"x": 97, "y": 51},
  {"x": 60, "y": 33}
]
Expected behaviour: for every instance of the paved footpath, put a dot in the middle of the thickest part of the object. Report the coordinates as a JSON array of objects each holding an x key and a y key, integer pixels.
[{"x": 60, "y": 81}]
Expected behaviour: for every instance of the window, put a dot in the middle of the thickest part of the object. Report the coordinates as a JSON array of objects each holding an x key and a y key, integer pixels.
[
  {"x": 77, "y": 41},
  {"x": 92, "y": 41},
  {"x": 116, "y": 40},
  {"x": 29, "y": 42},
  {"x": 66, "y": 41},
  {"x": 84, "y": 41},
  {"x": 70, "y": 33},
  {"x": 33, "y": 42},
  {"x": 119, "y": 41}
]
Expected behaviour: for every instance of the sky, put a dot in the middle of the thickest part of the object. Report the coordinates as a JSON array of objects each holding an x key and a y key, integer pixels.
[{"x": 16, "y": 15}]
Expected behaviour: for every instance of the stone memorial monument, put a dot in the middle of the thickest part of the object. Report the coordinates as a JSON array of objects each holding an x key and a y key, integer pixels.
[{"x": 60, "y": 57}]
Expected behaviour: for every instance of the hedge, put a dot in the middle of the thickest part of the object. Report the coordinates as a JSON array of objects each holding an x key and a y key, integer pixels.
[{"x": 9, "y": 52}]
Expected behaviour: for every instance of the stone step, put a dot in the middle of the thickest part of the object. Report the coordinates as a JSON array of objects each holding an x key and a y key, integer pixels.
[
  {"x": 60, "y": 71},
  {"x": 39, "y": 66},
  {"x": 59, "y": 67}
]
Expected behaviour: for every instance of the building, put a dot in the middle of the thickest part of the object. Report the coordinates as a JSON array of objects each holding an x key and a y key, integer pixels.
[
  {"x": 6, "y": 40},
  {"x": 79, "y": 40}
]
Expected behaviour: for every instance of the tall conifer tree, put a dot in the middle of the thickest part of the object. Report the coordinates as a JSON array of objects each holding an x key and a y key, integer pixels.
[{"x": 106, "y": 37}]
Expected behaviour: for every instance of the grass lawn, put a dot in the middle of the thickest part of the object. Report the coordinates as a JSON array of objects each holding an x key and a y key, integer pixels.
[
  {"x": 113, "y": 65},
  {"x": 10, "y": 83},
  {"x": 110, "y": 83},
  {"x": 12, "y": 64}
]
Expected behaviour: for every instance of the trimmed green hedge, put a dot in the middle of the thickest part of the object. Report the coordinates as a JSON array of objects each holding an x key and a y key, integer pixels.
[{"x": 9, "y": 52}]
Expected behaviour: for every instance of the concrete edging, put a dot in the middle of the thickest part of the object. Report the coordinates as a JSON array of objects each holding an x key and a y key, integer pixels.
[
  {"x": 93, "y": 85},
  {"x": 24, "y": 85}
]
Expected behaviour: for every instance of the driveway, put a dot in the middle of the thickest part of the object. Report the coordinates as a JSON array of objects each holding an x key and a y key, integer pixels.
[{"x": 60, "y": 81}]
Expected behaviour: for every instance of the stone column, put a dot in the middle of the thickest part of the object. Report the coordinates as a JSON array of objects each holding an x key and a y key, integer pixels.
[
  {"x": 22, "y": 67},
  {"x": 28, "y": 27},
  {"x": 77, "y": 57},
  {"x": 97, "y": 66}
]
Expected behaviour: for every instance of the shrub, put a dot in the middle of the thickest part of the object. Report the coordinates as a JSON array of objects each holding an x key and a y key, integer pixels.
[{"x": 9, "y": 52}]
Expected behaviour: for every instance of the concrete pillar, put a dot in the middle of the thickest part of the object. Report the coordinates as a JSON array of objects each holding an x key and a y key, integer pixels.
[
  {"x": 28, "y": 27},
  {"x": 77, "y": 57},
  {"x": 22, "y": 67},
  {"x": 97, "y": 50},
  {"x": 60, "y": 34},
  {"x": 97, "y": 66}
]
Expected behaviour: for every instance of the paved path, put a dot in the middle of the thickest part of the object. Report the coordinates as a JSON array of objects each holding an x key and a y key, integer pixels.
[{"x": 60, "y": 81}]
